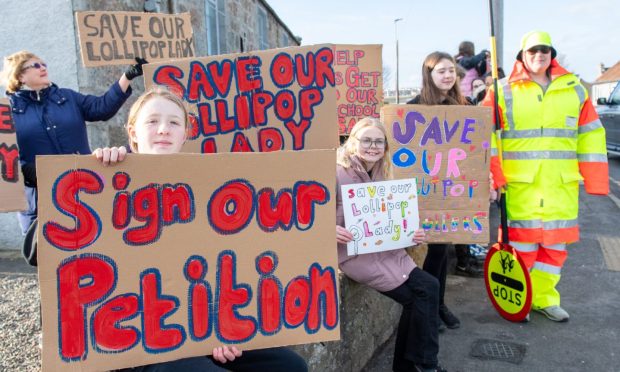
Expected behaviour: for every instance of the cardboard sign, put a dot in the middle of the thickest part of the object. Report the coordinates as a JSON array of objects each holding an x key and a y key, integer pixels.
[
  {"x": 282, "y": 99},
  {"x": 116, "y": 38},
  {"x": 359, "y": 83},
  {"x": 381, "y": 215},
  {"x": 166, "y": 256},
  {"x": 447, "y": 150},
  {"x": 508, "y": 283},
  {"x": 11, "y": 185}
]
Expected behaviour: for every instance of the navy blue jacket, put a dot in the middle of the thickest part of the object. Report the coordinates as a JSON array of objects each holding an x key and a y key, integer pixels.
[{"x": 52, "y": 121}]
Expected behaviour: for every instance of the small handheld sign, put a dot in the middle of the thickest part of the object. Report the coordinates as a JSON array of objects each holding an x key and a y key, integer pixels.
[{"x": 508, "y": 283}]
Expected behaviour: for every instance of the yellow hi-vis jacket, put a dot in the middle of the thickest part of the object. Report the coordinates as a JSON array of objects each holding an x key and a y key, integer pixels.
[{"x": 550, "y": 140}]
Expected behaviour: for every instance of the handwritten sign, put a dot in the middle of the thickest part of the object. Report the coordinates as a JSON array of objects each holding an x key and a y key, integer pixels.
[
  {"x": 381, "y": 215},
  {"x": 11, "y": 185},
  {"x": 166, "y": 256},
  {"x": 116, "y": 38},
  {"x": 359, "y": 83},
  {"x": 447, "y": 150},
  {"x": 281, "y": 99}
]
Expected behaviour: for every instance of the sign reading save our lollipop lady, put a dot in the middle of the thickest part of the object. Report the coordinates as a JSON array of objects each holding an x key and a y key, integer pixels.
[{"x": 381, "y": 215}]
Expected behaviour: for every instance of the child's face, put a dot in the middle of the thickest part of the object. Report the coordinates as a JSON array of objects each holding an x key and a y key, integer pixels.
[
  {"x": 370, "y": 145},
  {"x": 444, "y": 75},
  {"x": 159, "y": 127}
]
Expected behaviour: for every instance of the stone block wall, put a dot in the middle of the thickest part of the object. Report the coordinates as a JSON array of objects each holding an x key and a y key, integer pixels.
[{"x": 367, "y": 320}]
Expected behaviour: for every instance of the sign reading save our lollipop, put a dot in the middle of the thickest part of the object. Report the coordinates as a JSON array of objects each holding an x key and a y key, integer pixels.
[{"x": 381, "y": 215}]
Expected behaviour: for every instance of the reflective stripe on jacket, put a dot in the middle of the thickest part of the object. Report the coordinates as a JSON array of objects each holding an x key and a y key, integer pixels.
[{"x": 550, "y": 141}]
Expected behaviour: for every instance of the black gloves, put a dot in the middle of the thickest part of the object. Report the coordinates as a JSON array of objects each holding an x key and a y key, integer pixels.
[
  {"x": 135, "y": 70},
  {"x": 29, "y": 170}
]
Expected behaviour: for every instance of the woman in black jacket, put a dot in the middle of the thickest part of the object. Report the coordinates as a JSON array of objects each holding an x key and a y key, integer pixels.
[{"x": 440, "y": 87}]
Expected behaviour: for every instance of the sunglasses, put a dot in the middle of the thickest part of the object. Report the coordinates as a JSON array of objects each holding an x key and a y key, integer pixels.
[
  {"x": 35, "y": 65},
  {"x": 539, "y": 48}
]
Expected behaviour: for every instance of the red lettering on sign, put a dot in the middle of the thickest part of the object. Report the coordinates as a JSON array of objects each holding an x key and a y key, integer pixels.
[
  {"x": 65, "y": 195},
  {"x": 9, "y": 157},
  {"x": 270, "y": 139},
  {"x": 323, "y": 298},
  {"x": 82, "y": 281},
  {"x": 221, "y": 73},
  {"x": 269, "y": 293},
  {"x": 231, "y": 206},
  {"x": 156, "y": 308},
  {"x": 199, "y": 83},
  {"x": 275, "y": 212},
  {"x": 6, "y": 122},
  {"x": 260, "y": 103},
  {"x": 232, "y": 327},
  {"x": 241, "y": 143},
  {"x": 108, "y": 335},
  {"x": 307, "y": 194},
  {"x": 296, "y": 301},
  {"x": 282, "y": 70},
  {"x": 248, "y": 74}
]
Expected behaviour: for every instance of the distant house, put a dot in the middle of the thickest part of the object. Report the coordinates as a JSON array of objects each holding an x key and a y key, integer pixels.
[{"x": 605, "y": 84}]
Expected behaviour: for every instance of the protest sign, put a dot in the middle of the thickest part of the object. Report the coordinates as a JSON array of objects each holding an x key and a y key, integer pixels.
[
  {"x": 359, "y": 83},
  {"x": 116, "y": 38},
  {"x": 281, "y": 99},
  {"x": 163, "y": 257},
  {"x": 11, "y": 185},
  {"x": 447, "y": 150},
  {"x": 381, "y": 215}
]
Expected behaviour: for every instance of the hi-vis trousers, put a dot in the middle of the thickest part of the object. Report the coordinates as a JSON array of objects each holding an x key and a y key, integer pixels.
[{"x": 545, "y": 263}]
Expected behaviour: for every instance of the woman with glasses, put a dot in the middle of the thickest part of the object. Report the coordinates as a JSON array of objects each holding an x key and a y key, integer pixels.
[
  {"x": 551, "y": 138},
  {"x": 365, "y": 157},
  {"x": 50, "y": 120}
]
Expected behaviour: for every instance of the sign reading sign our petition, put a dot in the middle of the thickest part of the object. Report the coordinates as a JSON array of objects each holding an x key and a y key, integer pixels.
[{"x": 381, "y": 215}]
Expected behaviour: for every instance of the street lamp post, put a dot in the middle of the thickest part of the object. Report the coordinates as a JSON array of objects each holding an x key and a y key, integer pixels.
[{"x": 396, "y": 36}]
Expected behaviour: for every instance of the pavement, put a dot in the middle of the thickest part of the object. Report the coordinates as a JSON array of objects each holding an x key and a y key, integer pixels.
[{"x": 590, "y": 289}]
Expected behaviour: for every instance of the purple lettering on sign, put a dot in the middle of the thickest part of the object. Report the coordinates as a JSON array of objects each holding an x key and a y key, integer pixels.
[
  {"x": 432, "y": 132},
  {"x": 410, "y": 127},
  {"x": 466, "y": 129}
]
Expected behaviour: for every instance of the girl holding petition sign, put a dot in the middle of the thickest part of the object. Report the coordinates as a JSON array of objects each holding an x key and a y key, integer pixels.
[
  {"x": 365, "y": 157},
  {"x": 158, "y": 123},
  {"x": 50, "y": 120}
]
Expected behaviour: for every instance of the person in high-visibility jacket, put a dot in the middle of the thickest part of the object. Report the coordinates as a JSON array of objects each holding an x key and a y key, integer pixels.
[{"x": 551, "y": 139}]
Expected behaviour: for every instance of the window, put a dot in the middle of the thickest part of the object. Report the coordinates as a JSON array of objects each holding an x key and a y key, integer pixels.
[
  {"x": 263, "y": 29},
  {"x": 615, "y": 96},
  {"x": 283, "y": 39},
  {"x": 216, "y": 23}
]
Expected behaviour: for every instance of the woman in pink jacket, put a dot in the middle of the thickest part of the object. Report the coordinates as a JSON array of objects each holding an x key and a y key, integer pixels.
[{"x": 365, "y": 157}]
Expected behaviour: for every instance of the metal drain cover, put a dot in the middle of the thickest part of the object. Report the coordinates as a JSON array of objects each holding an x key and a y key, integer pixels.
[{"x": 498, "y": 350}]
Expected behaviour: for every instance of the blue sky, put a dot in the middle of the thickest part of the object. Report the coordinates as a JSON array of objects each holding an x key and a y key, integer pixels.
[{"x": 586, "y": 33}]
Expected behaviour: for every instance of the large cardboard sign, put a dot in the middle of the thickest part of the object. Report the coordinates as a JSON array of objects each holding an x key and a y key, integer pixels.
[
  {"x": 359, "y": 83},
  {"x": 281, "y": 99},
  {"x": 381, "y": 215},
  {"x": 11, "y": 185},
  {"x": 166, "y": 256},
  {"x": 447, "y": 150},
  {"x": 116, "y": 38}
]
